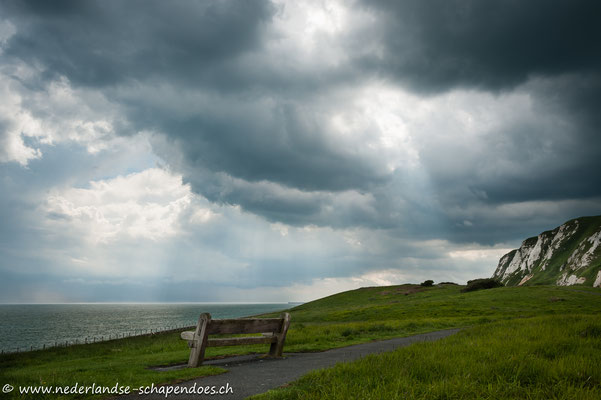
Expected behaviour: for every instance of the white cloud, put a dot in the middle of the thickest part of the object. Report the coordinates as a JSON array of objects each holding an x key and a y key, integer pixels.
[
  {"x": 31, "y": 118},
  {"x": 486, "y": 255},
  {"x": 144, "y": 205},
  {"x": 304, "y": 26},
  {"x": 15, "y": 125}
]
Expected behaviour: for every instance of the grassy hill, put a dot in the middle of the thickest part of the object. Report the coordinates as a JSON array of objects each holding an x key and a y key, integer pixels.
[
  {"x": 347, "y": 318},
  {"x": 537, "y": 342}
]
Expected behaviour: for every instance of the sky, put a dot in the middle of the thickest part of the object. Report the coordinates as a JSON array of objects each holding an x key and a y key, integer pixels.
[{"x": 287, "y": 150}]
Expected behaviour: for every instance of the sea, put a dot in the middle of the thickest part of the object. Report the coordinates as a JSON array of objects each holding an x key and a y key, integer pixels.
[{"x": 25, "y": 327}]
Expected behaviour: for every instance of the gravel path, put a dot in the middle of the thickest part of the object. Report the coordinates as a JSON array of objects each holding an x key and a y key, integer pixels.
[{"x": 250, "y": 375}]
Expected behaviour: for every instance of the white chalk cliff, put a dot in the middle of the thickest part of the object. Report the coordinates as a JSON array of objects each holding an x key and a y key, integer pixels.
[{"x": 567, "y": 255}]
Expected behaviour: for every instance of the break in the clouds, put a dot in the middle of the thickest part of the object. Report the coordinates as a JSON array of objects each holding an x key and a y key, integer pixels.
[{"x": 285, "y": 150}]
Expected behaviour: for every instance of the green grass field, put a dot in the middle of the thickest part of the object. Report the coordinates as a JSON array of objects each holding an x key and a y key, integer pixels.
[
  {"x": 550, "y": 357},
  {"x": 371, "y": 314}
]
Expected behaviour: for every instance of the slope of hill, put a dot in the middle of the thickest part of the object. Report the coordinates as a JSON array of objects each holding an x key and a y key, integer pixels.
[
  {"x": 535, "y": 342},
  {"x": 347, "y": 318},
  {"x": 567, "y": 255}
]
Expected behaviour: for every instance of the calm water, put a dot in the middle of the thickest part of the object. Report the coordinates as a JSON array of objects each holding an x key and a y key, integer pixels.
[{"x": 25, "y": 325}]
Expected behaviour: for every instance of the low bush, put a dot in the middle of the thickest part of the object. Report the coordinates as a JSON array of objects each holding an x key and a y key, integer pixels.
[
  {"x": 479, "y": 284},
  {"x": 348, "y": 332},
  {"x": 427, "y": 283}
]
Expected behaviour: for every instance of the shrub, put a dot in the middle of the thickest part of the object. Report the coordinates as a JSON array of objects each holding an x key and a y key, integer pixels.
[
  {"x": 348, "y": 332},
  {"x": 479, "y": 284},
  {"x": 427, "y": 283}
]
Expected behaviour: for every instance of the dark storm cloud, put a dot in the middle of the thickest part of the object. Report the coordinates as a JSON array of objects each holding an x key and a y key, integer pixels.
[
  {"x": 246, "y": 125},
  {"x": 108, "y": 42},
  {"x": 553, "y": 157},
  {"x": 250, "y": 127},
  {"x": 548, "y": 49},
  {"x": 266, "y": 141},
  {"x": 436, "y": 45}
]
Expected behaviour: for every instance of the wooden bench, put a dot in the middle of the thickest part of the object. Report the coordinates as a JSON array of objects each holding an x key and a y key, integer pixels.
[{"x": 273, "y": 329}]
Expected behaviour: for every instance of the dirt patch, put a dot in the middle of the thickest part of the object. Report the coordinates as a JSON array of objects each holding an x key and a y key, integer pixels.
[{"x": 556, "y": 299}]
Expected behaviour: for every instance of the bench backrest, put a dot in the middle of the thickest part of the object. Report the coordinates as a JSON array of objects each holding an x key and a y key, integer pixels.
[
  {"x": 198, "y": 339},
  {"x": 247, "y": 325}
]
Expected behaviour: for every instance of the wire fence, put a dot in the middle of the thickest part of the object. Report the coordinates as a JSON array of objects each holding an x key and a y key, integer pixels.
[{"x": 98, "y": 339}]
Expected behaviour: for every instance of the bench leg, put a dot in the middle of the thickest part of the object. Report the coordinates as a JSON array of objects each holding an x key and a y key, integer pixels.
[
  {"x": 199, "y": 344},
  {"x": 276, "y": 348}
]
